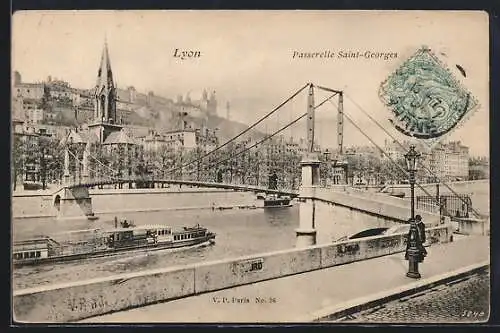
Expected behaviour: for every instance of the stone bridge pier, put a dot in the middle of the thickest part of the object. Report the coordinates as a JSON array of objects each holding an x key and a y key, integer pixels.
[{"x": 73, "y": 202}]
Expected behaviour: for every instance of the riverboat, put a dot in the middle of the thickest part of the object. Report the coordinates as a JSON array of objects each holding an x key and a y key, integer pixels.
[
  {"x": 275, "y": 201},
  {"x": 93, "y": 243}
]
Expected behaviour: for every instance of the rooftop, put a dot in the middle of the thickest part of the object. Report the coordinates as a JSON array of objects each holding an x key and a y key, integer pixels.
[
  {"x": 81, "y": 137},
  {"x": 34, "y": 85},
  {"x": 119, "y": 138}
]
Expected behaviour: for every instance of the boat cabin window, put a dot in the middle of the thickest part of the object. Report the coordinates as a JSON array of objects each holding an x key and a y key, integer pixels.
[{"x": 27, "y": 255}]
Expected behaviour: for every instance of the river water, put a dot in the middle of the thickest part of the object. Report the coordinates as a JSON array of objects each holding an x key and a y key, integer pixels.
[{"x": 239, "y": 232}]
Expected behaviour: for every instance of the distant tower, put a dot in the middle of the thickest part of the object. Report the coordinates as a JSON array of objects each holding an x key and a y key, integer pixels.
[
  {"x": 205, "y": 95},
  {"x": 212, "y": 104},
  {"x": 131, "y": 94},
  {"x": 227, "y": 110},
  {"x": 17, "y": 78},
  {"x": 104, "y": 99},
  {"x": 150, "y": 98}
]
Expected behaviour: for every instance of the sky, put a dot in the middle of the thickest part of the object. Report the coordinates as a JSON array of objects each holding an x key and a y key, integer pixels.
[{"x": 247, "y": 58}]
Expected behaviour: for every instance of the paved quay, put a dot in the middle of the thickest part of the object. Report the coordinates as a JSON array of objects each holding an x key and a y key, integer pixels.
[
  {"x": 308, "y": 296},
  {"x": 465, "y": 300}
]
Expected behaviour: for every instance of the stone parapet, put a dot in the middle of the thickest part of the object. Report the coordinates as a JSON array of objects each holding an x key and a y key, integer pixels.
[{"x": 78, "y": 300}]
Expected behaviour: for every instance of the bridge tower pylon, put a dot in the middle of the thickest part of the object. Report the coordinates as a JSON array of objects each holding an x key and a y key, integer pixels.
[
  {"x": 66, "y": 175},
  {"x": 85, "y": 169},
  {"x": 306, "y": 233}
]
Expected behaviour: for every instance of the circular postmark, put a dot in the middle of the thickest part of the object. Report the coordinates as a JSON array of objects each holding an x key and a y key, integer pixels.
[{"x": 425, "y": 100}]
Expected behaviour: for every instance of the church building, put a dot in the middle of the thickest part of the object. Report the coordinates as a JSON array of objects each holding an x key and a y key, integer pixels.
[{"x": 104, "y": 121}]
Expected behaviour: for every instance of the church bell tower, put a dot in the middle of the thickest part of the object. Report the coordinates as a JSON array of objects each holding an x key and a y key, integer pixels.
[{"x": 104, "y": 120}]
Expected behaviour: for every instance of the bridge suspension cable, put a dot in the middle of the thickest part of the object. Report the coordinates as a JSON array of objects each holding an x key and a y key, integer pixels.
[
  {"x": 428, "y": 169},
  {"x": 241, "y": 133},
  {"x": 90, "y": 169},
  {"x": 395, "y": 163},
  {"x": 381, "y": 150},
  {"x": 269, "y": 136},
  {"x": 257, "y": 143},
  {"x": 104, "y": 165}
]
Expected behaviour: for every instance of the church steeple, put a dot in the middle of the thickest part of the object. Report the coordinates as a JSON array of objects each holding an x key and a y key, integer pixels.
[
  {"x": 105, "y": 117},
  {"x": 105, "y": 91}
]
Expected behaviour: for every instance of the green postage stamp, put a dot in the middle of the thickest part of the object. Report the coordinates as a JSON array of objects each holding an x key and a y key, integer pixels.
[{"x": 426, "y": 101}]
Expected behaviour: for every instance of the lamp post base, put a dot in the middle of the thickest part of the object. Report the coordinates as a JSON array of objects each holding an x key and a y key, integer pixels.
[
  {"x": 413, "y": 275},
  {"x": 413, "y": 270}
]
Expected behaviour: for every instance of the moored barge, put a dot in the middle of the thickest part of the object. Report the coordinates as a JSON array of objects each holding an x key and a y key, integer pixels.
[
  {"x": 94, "y": 243},
  {"x": 275, "y": 201}
]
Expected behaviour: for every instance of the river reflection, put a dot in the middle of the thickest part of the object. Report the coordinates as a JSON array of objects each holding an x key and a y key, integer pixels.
[{"x": 239, "y": 232}]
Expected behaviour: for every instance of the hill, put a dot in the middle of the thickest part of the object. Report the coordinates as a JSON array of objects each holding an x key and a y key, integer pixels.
[
  {"x": 148, "y": 111},
  {"x": 229, "y": 129}
]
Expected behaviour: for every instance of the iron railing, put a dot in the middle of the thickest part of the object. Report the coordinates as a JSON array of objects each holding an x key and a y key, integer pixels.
[{"x": 450, "y": 205}]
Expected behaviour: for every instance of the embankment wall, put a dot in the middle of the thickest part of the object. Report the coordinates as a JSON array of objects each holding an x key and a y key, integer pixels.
[
  {"x": 78, "y": 300},
  {"x": 115, "y": 201}
]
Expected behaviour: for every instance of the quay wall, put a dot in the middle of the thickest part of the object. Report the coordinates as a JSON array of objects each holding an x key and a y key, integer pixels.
[
  {"x": 33, "y": 205},
  {"x": 113, "y": 201},
  {"x": 124, "y": 200},
  {"x": 78, "y": 300}
]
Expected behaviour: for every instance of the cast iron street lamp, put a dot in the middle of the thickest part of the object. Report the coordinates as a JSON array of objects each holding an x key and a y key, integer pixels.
[{"x": 413, "y": 251}]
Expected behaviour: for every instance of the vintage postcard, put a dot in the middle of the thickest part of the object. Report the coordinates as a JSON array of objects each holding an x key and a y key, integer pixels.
[{"x": 250, "y": 167}]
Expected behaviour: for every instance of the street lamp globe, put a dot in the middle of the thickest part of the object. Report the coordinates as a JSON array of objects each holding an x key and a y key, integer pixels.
[{"x": 412, "y": 159}]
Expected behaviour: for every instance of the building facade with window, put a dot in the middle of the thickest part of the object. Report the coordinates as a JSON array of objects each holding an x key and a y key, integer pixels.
[{"x": 30, "y": 90}]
